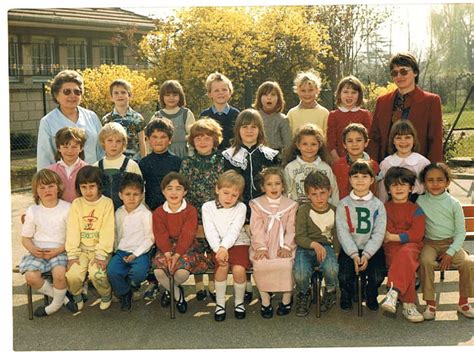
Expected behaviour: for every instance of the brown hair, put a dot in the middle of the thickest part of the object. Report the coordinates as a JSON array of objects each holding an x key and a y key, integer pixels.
[
  {"x": 88, "y": 175},
  {"x": 440, "y": 166},
  {"x": 355, "y": 127},
  {"x": 316, "y": 179},
  {"x": 46, "y": 177},
  {"x": 308, "y": 129},
  {"x": 172, "y": 87},
  {"x": 400, "y": 128},
  {"x": 67, "y": 134},
  {"x": 266, "y": 88},
  {"x": 132, "y": 180},
  {"x": 398, "y": 175},
  {"x": 173, "y": 175},
  {"x": 122, "y": 83},
  {"x": 65, "y": 76},
  {"x": 161, "y": 124},
  {"x": 205, "y": 126},
  {"x": 405, "y": 59},
  {"x": 353, "y": 83},
  {"x": 273, "y": 170},
  {"x": 246, "y": 117},
  {"x": 361, "y": 166}
]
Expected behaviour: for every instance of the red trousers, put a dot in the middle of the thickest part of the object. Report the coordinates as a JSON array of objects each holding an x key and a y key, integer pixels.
[{"x": 402, "y": 263}]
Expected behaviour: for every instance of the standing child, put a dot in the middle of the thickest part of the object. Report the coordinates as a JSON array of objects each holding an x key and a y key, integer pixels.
[
  {"x": 173, "y": 102},
  {"x": 70, "y": 150},
  {"x": 403, "y": 149},
  {"x": 219, "y": 90},
  {"x": 272, "y": 250},
  {"x": 309, "y": 146},
  {"x": 270, "y": 103},
  {"x": 90, "y": 237},
  {"x": 113, "y": 138},
  {"x": 445, "y": 234},
  {"x": 361, "y": 222},
  {"x": 134, "y": 238},
  {"x": 223, "y": 220},
  {"x": 174, "y": 227},
  {"x": 43, "y": 235},
  {"x": 202, "y": 171},
  {"x": 133, "y": 122},
  {"x": 355, "y": 139},
  {"x": 402, "y": 243},
  {"x": 307, "y": 86},
  {"x": 349, "y": 98}
]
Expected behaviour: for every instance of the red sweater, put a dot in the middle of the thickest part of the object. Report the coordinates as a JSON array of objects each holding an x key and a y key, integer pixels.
[
  {"x": 338, "y": 120},
  {"x": 182, "y": 225},
  {"x": 406, "y": 219},
  {"x": 341, "y": 168}
]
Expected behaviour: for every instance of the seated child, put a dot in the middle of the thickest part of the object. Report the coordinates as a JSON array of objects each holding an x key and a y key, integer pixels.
[
  {"x": 223, "y": 221},
  {"x": 43, "y": 235},
  {"x": 174, "y": 227},
  {"x": 272, "y": 225},
  {"x": 445, "y": 234},
  {"x": 113, "y": 139},
  {"x": 129, "y": 266},
  {"x": 361, "y": 221},
  {"x": 317, "y": 244},
  {"x": 90, "y": 237},
  {"x": 70, "y": 151},
  {"x": 402, "y": 243}
]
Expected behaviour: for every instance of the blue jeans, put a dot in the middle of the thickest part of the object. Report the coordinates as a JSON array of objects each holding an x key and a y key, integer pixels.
[
  {"x": 123, "y": 276},
  {"x": 306, "y": 261}
]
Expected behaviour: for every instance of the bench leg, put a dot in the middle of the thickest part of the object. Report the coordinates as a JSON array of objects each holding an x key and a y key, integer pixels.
[
  {"x": 359, "y": 294},
  {"x": 442, "y": 275},
  {"x": 316, "y": 283},
  {"x": 29, "y": 294},
  {"x": 172, "y": 309}
]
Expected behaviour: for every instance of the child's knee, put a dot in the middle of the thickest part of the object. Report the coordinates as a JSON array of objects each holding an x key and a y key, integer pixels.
[{"x": 33, "y": 278}]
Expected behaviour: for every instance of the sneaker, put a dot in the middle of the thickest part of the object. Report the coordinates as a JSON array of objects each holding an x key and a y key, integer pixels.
[
  {"x": 411, "y": 313},
  {"x": 346, "y": 301},
  {"x": 151, "y": 292},
  {"x": 302, "y": 304},
  {"x": 69, "y": 303},
  {"x": 389, "y": 303},
  {"x": 126, "y": 302},
  {"x": 466, "y": 310},
  {"x": 40, "y": 311},
  {"x": 105, "y": 303},
  {"x": 328, "y": 300},
  {"x": 165, "y": 299},
  {"x": 201, "y": 295},
  {"x": 430, "y": 312}
]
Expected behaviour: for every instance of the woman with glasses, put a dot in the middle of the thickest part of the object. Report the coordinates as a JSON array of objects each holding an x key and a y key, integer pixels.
[
  {"x": 66, "y": 89},
  {"x": 421, "y": 108}
]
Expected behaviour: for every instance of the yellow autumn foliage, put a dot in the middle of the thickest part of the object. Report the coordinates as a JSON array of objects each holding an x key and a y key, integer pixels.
[{"x": 373, "y": 91}]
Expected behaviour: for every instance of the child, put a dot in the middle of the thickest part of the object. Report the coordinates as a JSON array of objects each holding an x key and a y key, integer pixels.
[
  {"x": 355, "y": 139},
  {"x": 349, "y": 98},
  {"x": 219, "y": 90},
  {"x": 134, "y": 124},
  {"x": 174, "y": 227},
  {"x": 309, "y": 146},
  {"x": 445, "y": 234},
  {"x": 403, "y": 148},
  {"x": 159, "y": 162},
  {"x": 307, "y": 86},
  {"x": 70, "y": 151},
  {"x": 317, "y": 244},
  {"x": 402, "y": 243},
  {"x": 223, "y": 221},
  {"x": 272, "y": 224},
  {"x": 361, "y": 222},
  {"x": 270, "y": 103},
  {"x": 202, "y": 171},
  {"x": 43, "y": 235},
  {"x": 113, "y": 139},
  {"x": 90, "y": 237},
  {"x": 173, "y": 102},
  {"x": 129, "y": 266}
]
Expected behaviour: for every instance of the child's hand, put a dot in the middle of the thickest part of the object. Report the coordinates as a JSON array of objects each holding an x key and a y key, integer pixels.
[
  {"x": 284, "y": 253},
  {"x": 71, "y": 262},
  {"x": 356, "y": 264},
  {"x": 102, "y": 264},
  {"x": 129, "y": 258},
  {"x": 38, "y": 252},
  {"x": 364, "y": 262},
  {"x": 445, "y": 261},
  {"x": 172, "y": 262},
  {"x": 260, "y": 254},
  {"x": 51, "y": 253},
  {"x": 390, "y": 237},
  {"x": 222, "y": 256},
  {"x": 319, "y": 250}
]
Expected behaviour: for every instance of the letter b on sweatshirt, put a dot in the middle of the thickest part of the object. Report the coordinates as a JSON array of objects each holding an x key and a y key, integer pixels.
[{"x": 363, "y": 220}]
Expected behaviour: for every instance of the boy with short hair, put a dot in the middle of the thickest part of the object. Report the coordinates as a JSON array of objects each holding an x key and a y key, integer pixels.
[
  {"x": 360, "y": 223},
  {"x": 129, "y": 266},
  {"x": 133, "y": 122},
  {"x": 219, "y": 90},
  {"x": 113, "y": 139},
  {"x": 317, "y": 244},
  {"x": 355, "y": 139}
]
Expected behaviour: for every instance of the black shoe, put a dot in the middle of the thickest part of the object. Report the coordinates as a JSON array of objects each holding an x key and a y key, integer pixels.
[
  {"x": 328, "y": 300},
  {"x": 266, "y": 312},
  {"x": 417, "y": 283},
  {"x": 346, "y": 301},
  {"x": 181, "y": 305},
  {"x": 40, "y": 311},
  {"x": 213, "y": 296},
  {"x": 248, "y": 297},
  {"x": 126, "y": 302},
  {"x": 284, "y": 309},
  {"x": 71, "y": 305},
  {"x": 219, "y": 313},
  {"x": 201, "y": 295},
  {"x": 372, "y": 304},
  {"x": 239, "y": 311},
  {"x": 302, "y": 304},
  {"x": 165, "y": 299}
]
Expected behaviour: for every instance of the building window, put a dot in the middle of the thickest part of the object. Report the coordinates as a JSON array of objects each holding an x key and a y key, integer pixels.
[
  {"x": 110, "y": 54},
  {"x": 13, "y": 58},
  {"x": 77, "y": 53},
  {"x": 43, "y": 56}
]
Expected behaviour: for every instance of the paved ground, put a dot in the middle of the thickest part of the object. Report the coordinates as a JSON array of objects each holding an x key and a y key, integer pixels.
[{"x": 149, "y": 326}]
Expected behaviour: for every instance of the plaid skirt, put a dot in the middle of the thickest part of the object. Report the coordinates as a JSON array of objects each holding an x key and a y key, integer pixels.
[
  {"x": 32, "y": 263},
  {"x": 193, "y": 260}
]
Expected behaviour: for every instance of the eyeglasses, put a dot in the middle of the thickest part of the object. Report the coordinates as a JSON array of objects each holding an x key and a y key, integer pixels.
[
  {"x": 403, "y": 72},
  {"x": 68, "y": 92}
]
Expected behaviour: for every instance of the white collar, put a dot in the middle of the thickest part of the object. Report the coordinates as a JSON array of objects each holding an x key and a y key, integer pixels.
[
  {"x": 62, "y": 163},
  {"x": 343, "y": 109},
  {"x": 316, "y": 162},
  {"x": 273, "y": 201},
  {"x": 240, "y": 159},
  {"x": 182, "y": 207},
  {"x": 411, "y": 160},
  {"x": 139, "y": 208},
  {"x": 367, "y": 197}
]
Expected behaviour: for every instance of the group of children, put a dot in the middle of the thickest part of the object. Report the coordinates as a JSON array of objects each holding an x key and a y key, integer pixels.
[{"x": 217, "y": 196}]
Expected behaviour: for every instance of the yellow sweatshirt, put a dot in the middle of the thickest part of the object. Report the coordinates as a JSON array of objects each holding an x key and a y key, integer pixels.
[{"x": 90, "y": 226}]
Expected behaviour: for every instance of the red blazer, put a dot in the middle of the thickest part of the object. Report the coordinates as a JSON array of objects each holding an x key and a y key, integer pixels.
[{"x": 425, "y": 115}]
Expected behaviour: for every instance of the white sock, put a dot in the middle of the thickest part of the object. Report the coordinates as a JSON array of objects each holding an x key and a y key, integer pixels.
[
  {"x": 57, "y": 301},
  {"x": 220, "y": 292},
  {"x": 239, "y": 292},
  {"x": 265, "y": 298},
  {"x": 46, "y": 289},
  {"x": 162, "y": 278},
  {"x": 286, "y": 299}
]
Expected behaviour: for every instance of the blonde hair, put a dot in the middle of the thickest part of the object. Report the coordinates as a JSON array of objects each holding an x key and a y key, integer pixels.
[
  {"x": 205, "y": 126},
  {"x": 272, "y": 170},
  {"x": 266, "y": 88},
  {"x": 231, "y": 178},
  {"x": 218, "y": 77},
  {"x": 308, "y": 129},
  {"x": 311, "y": 77},
  {"x": 110, "y": 129},
  {"x": 46, "y": 177},
  {"x": 246, "y": 117}
]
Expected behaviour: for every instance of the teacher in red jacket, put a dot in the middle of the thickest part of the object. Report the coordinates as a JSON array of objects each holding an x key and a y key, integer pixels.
[{"x": 422, "y": 108}]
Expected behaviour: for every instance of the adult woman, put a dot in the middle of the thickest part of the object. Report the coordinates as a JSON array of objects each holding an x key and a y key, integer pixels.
[
  {"x": 422, "y": 108},
  {"x": 66, "y": 89}
]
